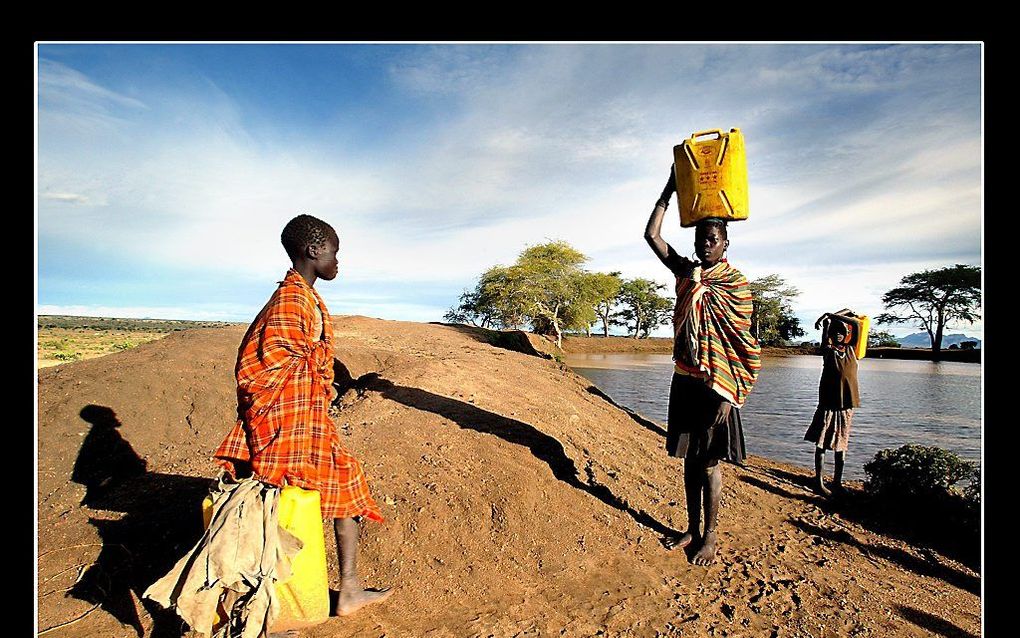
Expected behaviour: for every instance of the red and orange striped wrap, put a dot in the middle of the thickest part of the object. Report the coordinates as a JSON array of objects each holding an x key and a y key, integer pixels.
[
  {"x": 712, "y": 331},
  {"x": 284, "y": 388}
]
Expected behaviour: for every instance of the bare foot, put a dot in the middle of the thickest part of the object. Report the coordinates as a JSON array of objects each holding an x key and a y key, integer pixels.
[
  {"x": 675, "y": 542},
  {"x": 351, "y": 601},
  {"x": 706, "y": 553}
]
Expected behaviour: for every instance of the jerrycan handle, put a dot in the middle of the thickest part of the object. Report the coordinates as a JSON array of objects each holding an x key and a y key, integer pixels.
[{"x": 718, "y": 133}]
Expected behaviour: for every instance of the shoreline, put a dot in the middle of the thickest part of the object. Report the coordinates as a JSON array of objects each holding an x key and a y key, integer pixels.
[{"x": 664, "y": 345}]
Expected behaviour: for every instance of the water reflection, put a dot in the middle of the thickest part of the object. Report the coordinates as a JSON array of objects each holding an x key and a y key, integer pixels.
[{"x": 901, "y": 402}]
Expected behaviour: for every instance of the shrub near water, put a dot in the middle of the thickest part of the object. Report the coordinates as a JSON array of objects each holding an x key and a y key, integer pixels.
[
  {"x": 915, "y": 471},
  {"x": 919, "y": 481}
]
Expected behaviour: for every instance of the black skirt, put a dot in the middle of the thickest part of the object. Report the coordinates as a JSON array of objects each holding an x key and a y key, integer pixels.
[{"x": 690, "y": 434}]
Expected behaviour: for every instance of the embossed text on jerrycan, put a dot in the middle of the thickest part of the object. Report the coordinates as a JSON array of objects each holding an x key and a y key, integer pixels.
[
  {"x": 711, "y": 177},
  {"x": 304, "y": 597}
]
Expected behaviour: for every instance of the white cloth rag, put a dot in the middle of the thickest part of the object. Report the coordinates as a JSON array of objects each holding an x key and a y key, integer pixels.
[{"x": 244, "y": 550}]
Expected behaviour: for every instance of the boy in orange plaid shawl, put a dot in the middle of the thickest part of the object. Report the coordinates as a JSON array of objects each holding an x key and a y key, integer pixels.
[{"x": 283, "y": 434}]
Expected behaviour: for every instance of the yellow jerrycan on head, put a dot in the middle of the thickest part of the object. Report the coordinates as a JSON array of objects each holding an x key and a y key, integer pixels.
[
  {"x": 304, "y": 597},
  {"x": 711, "y": 176},
  {"x": 861, "y": 348}
]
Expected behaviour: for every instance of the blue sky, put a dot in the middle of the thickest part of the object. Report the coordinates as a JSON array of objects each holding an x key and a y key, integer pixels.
[{"x": 166, "y": 172}]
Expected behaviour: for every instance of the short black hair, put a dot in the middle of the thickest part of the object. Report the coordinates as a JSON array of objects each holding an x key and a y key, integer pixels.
[
  {"x": 718, "y": 222},
  {"x": 304, "y": 231}
]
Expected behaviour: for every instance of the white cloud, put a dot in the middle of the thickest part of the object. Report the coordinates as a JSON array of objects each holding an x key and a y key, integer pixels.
[
  {"x": 856, "y": 154},
  {"x": 68, "y": 198},
  {"x": 78, "y": 106},
  {"x": 64, "y": 85}
]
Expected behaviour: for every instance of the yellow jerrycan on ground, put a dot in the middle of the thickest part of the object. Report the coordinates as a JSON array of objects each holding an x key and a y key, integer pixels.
[
  {"x": 304, "y": 597},
  {"x": 711, "y": 176}
]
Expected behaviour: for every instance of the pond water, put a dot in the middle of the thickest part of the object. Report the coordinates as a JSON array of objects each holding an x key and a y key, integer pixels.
[{"x": 902, "y": 402}]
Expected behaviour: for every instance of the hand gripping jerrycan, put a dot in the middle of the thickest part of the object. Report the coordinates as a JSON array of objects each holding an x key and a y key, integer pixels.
[
  {"x": 711, "y": 177},
  {"x": 304, "y": 597}
]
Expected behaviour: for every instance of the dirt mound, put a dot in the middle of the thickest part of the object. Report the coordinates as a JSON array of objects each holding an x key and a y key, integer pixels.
[
  {"x": 600, "y": 344},
  {"x": 517, "y": 500}
]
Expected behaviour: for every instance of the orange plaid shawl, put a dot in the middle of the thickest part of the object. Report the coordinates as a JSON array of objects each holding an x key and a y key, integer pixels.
[{"x": 284, "y": 388}]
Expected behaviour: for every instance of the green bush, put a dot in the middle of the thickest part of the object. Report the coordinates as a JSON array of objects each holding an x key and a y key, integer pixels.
[
  {"x": 917, "y": 485},
  {"x": 67, "y": 356},
  {"x": 972, "y": 492},
  {"x": 931, "y": 495},
  {"x": 916, "y": 471}
]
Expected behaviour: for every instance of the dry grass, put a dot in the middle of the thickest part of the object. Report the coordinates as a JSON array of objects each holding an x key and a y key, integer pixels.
[{"x": 63, "y": 339}]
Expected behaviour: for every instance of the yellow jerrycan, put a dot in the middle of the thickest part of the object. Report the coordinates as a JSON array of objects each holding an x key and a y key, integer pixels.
[
  {"x": 711, "y": 176},
  {"x": 862, "y": 339},
  {"x": 304, "y": 597}
]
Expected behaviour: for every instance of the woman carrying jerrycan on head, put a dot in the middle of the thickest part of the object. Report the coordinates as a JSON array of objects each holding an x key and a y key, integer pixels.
[{"x": 717, "y": 360}]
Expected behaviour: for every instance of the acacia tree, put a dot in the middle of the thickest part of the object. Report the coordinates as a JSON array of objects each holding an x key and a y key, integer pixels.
[
  {"x": 546, "y": 287},
  {"x": 932, "y": 299},
  {"x": 491, "y": 302},
  {"x": 772, "y": 317},
  {"x": 882, "y": 339},
  {"x": 643, "y": 307},
  {"x": 660, "y": 313},
  {"x": 473, "y": 309},
  {"x": 551, "y": 287},
  {"x": 605, "y": 289}
]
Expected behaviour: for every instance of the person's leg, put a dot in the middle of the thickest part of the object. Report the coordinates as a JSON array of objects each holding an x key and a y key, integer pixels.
[
  {"x": 712, "y": 494},
  {"x": 693, "y": 478},
  {"x": 837, "y": 478},
  {"x": 352, "y": 596},
  {"x": 819, "y": 484}
]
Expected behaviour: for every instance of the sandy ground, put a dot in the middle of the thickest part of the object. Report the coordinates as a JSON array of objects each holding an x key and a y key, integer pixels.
[{"x": 518, "y": 502}]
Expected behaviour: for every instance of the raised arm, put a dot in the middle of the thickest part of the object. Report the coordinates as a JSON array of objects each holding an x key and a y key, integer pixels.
[
  {"x": 845, "y": 315},
  {"x": 669, "y": 257}
]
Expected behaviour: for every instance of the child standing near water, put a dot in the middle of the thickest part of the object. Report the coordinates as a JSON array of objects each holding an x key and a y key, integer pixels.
[{"x": 838, "y": 394}]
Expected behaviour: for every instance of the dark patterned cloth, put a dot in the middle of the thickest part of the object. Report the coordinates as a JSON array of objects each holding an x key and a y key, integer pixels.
[
  {"x": 837, "y": 388},
  {"x": 830, "y": 429},
  {"x": 690, "y": 434}
]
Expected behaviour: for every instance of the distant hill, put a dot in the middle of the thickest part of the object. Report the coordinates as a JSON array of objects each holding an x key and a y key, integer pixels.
[
  {"x": 921, "y": 340},
  {"x": 111, "y": 323}
]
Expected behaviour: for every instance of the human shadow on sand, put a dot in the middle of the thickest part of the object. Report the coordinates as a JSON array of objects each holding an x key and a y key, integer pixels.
[
  {"x": 785, "y": 493},
  {"x": 517, "y": 341},
  {"x": 904, "y": 559},
  {"x": 859, "y": 507},
  {"x": 544, "y": 447},
  {"x": 847, "y": 510},
  {"x": 161, "y": 519},
  {"x": 933, "y": 623}
]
